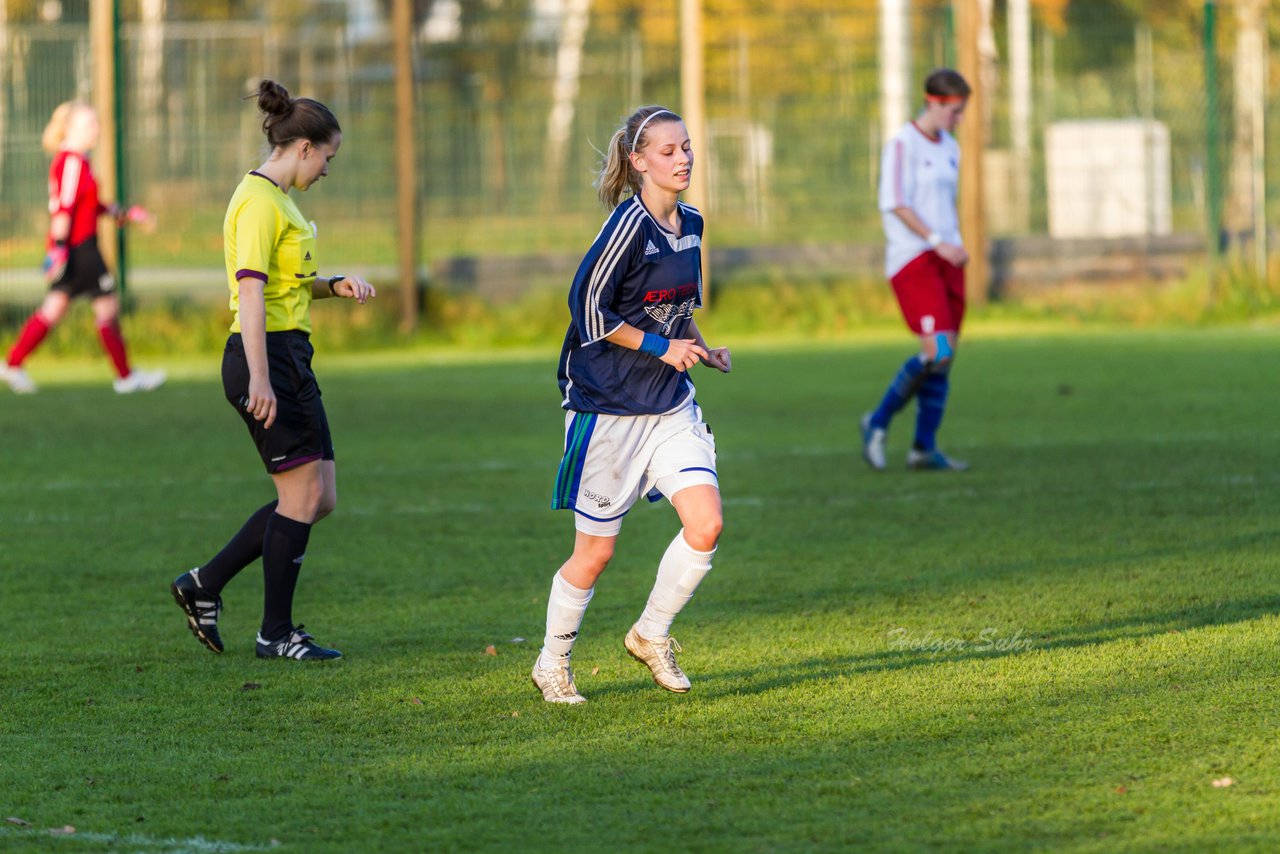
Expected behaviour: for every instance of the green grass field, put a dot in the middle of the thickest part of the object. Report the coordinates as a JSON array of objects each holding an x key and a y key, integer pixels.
[{"x": 1060, "y": 650}]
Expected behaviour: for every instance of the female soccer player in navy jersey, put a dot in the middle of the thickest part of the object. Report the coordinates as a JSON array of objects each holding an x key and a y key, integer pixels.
[
  {"x": 924, "y": 260},
  {"x": 271, "y": 258},
  {"x": 632, "y": 427},
  {"x": 73, "y": 264}
]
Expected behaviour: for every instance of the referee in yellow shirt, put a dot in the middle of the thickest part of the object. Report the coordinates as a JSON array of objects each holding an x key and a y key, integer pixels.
[{"x": 270, "y": 251}]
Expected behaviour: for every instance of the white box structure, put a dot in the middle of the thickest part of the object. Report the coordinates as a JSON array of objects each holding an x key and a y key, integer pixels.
[{"x": 1108, "y": 178}]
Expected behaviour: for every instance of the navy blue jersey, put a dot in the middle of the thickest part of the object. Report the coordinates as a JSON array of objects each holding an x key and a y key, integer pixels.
[{"x": 639, "y": 273}]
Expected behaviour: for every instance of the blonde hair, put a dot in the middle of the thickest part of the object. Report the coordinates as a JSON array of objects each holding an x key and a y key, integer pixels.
[
  {"x": 617, "y": 176},
  {"x": 56, "y": 130}
]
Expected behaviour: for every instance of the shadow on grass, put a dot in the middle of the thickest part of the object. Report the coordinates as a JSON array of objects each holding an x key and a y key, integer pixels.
[{"x": 759, "y": 680}]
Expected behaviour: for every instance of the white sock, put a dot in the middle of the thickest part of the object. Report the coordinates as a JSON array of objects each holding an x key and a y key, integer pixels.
[
  {"x": 565, "y": 608},
  {"x": 679, "y": 574}
]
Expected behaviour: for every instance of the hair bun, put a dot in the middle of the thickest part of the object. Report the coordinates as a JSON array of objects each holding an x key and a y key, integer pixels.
[{"x": 273, "y": 99}]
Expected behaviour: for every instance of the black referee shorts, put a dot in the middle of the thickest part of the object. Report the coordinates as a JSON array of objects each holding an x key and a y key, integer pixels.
[
  {"x": 86, "y": 273},
  {"x": 300, "y": 433}
]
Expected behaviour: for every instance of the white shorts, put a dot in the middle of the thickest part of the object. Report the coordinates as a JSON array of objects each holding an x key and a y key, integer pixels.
[{"x": 612, "y": 460}]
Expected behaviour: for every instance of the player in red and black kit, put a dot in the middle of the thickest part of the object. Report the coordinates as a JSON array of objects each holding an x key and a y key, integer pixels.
[{"x": 73, "y": 265}]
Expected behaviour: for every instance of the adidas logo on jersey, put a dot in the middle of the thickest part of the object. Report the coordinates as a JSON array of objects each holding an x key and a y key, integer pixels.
[
  {"x": 650, "y": 249},
  {"x": 308, "y": 256}
]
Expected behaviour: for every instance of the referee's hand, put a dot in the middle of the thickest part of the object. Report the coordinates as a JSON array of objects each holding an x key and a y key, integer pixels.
[
  {"x": 262, "y": 401},
  {"x": 683, "y": 353},
  {"x": 356, "y": 288}
]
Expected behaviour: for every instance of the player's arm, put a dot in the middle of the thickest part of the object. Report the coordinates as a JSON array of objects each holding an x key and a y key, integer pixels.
[
  {"x": 716, "y": 357},
  {"x": 130, "y": 215},
  {"x": 258, "y": 228},
  {"x": 60, "y": 227},
  {"x": 253, "y": 334},
  {"x": 680, "y": 353},
  {"x": 344, "y": 286},
  {"x": 55, "y": 260}
]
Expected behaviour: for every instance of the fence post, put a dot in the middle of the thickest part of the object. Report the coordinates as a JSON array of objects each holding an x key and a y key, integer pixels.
[
  {"x": 693, "y": 108},
  {"x": 104, "y": 42},
  {"x": 1212, "y": 131},
  {"x": 406, "y": 183},
  {"x": 972, "y": 147},
  {"x": 895, "y": 67}
]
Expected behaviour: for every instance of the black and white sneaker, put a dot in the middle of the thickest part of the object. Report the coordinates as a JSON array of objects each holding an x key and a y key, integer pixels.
[
  {"x": 201, "y": 607},
  {"x": 297, "y": 645}
]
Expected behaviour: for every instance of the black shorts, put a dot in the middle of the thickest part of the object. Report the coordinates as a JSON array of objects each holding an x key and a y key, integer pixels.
[
  {"x": 86, "y": 273},
  {"x": 300, "y": 433}
]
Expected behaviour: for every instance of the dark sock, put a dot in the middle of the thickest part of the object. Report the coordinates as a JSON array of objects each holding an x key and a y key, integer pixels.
[
  {"x": 243, "y": 549},
  {"x": 283, "y": 547},
  {"x": 932, "y": 397},
  {"x": 904, "y": 386}
]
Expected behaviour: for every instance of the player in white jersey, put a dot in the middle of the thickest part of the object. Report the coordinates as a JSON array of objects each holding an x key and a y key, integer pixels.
[
  {"x": 924, "y": 260},
  {"x": 632, "y": 428}
]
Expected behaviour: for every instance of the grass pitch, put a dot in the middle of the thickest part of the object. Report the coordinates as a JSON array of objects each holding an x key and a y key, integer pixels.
[{"x": 1072, "y": 647}]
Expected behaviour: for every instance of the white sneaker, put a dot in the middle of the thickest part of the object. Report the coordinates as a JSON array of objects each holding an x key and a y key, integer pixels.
[
  {"x": 556, "y": 683},
  {"x": 19, "y": 380},
  {"x": 660, "y": 657},
  {"x": 873, "y": 439},
  {"x": 139, "y": 380}
]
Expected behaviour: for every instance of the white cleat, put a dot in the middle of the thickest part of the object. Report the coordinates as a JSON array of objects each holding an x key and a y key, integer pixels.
[
  {"x": 556, "y": 683},
  {"x": 19, "y": 380},
  {"x": 660, "y": 657},
  {"x": 139, "y": 380},
  {"x": 873, "y": 439}
]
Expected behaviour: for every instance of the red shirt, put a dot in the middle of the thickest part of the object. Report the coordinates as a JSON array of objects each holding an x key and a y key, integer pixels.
[{"x": 73, "y": 190}]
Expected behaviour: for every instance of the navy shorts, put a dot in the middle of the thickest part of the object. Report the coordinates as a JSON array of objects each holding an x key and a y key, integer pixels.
[
  {"x": 86, "y": 273},
  {"x": 300, "y": 433}
]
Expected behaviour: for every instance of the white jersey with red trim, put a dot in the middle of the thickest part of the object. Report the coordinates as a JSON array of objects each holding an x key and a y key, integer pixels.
[{"x": 923, "y": 174}]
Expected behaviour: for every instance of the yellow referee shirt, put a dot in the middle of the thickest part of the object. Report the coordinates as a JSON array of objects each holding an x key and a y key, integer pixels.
[{"x": 265, "y": 237}]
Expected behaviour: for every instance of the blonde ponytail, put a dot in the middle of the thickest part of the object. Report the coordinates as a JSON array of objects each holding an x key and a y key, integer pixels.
[{"x": 616, "y": 172}]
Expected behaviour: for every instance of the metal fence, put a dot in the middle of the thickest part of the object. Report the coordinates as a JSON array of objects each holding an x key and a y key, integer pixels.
[{"x": 793, "y": 110}]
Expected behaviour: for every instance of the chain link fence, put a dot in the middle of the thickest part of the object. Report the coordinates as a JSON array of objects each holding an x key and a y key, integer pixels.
[{"x": 793, "y": 110}]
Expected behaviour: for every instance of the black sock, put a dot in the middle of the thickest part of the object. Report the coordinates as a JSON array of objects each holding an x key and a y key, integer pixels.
[
  {"x": 283, "y": 547},
  {"x": 243, "y": 549}
]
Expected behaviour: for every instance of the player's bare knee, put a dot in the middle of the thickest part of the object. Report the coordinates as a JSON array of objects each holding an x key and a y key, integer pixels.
[
  {"x": 592, "y": 557},
  {"x": 599, "y": 555},
  {"x": 327, "y": 503},
  {"x": 704, "y": 533},
  {"x": 52, "y": 314},
  {"x": 302, "y": 501}
]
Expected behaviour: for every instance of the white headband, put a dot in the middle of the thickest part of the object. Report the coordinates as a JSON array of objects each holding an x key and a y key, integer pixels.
[{"x": 643, "y": 124}]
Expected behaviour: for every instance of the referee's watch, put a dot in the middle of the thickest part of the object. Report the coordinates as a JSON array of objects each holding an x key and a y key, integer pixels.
[{"x": 333, "y": 280}]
